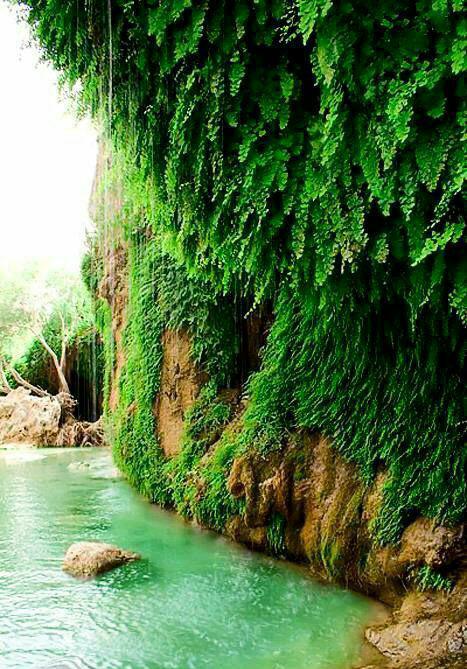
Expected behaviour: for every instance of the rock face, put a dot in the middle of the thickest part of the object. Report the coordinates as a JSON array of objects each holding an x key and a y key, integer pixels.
[
  {"x": 180, "y": 385},
  {"x": 44, "y": 421},
  {"x": 326, "y": 518},
  {"x": 327, "y": 515},
  {"x": 86, "y": 559}
]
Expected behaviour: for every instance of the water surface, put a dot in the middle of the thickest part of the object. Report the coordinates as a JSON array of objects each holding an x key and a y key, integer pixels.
[{"x": 196, "y": 601}]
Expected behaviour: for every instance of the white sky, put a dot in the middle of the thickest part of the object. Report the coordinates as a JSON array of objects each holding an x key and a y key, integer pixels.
[{"x": 47, "y": 159}]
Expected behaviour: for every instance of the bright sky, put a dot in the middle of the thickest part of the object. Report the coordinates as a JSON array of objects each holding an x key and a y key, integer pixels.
[{"x": 47, "y": 159}]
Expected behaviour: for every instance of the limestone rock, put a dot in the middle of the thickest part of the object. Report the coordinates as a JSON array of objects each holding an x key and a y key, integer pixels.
[
  {"x": 45, "y": 421},
  {"x": 26, "y": 419},
  {"x": 85, "y": 559},
  {"x": 181, "y": 382},
  {"x": 425, "y": 542},
  {"x": 406, "y": 644}
]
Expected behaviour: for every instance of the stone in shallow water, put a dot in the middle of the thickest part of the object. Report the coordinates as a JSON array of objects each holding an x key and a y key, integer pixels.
[
  {"x": 78, "y": 466},
  {"x": 85, "y": 559}
]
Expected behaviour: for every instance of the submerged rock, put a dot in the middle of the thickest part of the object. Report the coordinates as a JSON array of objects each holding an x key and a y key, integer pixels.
[
  {"x": 78, "y": 466},
  {"x": 85, "y": 559}
]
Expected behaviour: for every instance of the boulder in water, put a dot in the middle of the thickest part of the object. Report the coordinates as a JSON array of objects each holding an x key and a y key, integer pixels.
[{"x": 85, "y": 559}]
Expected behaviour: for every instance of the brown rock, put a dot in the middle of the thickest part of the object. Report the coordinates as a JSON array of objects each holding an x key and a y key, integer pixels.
[
  {"x": 426, "y": 542},
  {"x": 44, "y": 421},
  {"x": 180, "y": 384},
  {"x": 406, "y": 644},
  {"x": 85, "y": 559},
  {"x": 254, "y": 537}
]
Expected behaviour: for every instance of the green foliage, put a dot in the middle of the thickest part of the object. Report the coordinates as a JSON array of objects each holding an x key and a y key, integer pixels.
[
  {"x": 316, "y": 127},
  {"x": 14, "y": 338},
  {"x": 320, "y": 374},
  {"x": 135, "y": 444},
  {"x": 177, "y": 481},
  {"x": 275, "y": 534},
  {"x": 36, "y": 300},
  {"x": 426, "y": 578},
  {"x": 85, "y": 357},
  {"x": 309, "y": 153}
]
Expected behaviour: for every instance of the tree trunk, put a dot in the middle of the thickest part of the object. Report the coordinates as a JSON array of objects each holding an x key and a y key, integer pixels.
[
  {"x": 62, "y": 382},
  {"x": 4, "y": 385}
]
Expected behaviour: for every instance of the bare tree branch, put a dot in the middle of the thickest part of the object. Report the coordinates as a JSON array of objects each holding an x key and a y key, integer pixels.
[
  {"x": 64, "y": 338},
  {"x": 63, "y": 383},
  {"x": 22, "y": 382},
  {"x": 4, "y": 385}
]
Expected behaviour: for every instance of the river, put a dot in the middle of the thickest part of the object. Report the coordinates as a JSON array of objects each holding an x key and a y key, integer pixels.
[{"x": 195, "y": 601}]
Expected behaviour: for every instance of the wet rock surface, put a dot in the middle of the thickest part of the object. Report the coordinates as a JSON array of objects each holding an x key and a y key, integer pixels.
[
  {"x": 86, "y": 559},
  {"x": 327, "y": 515},
  {"x": 180, "y": 384}
]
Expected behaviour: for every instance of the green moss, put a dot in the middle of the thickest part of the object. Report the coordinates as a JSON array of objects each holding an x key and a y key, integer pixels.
[
  {"x": 330, "y": 558},
  {"x": 275, "y": 534},
  {"x": 135, "y": 446},
  {"x": 426, "y": 578},
  {"x": 197, "y": 485}
]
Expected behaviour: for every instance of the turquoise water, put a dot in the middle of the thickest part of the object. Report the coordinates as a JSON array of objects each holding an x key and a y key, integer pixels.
[{"x": 195, "y": 601}]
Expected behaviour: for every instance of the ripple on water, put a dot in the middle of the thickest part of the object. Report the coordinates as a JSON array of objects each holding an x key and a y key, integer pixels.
[{"x": 193, "y": 601}]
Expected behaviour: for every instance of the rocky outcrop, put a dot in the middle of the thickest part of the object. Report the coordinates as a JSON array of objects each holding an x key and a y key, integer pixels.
[
  {"x": 304, "y": 501},
  {"x": 113, "y": 288},
  {"x": 86, "y": 559},
  {"x": 327, "y": 516},
  {"x": 426, "y": 630},
  {"x": 26, "y": 419},
  {"x": 44, "y": 421}
]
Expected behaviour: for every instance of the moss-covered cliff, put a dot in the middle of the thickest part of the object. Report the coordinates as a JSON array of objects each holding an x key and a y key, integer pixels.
[{"x": 283, "y": 176}]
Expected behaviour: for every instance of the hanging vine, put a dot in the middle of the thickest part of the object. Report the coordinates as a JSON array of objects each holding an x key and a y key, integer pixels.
[{"x": 310, "y": 153}]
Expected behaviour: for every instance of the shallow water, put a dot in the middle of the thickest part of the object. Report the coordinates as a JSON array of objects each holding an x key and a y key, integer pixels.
[{"x": 195, "y": 601}]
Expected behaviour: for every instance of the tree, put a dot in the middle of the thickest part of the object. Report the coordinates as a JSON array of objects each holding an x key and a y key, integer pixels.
[{"x": 34, "y": 306}]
